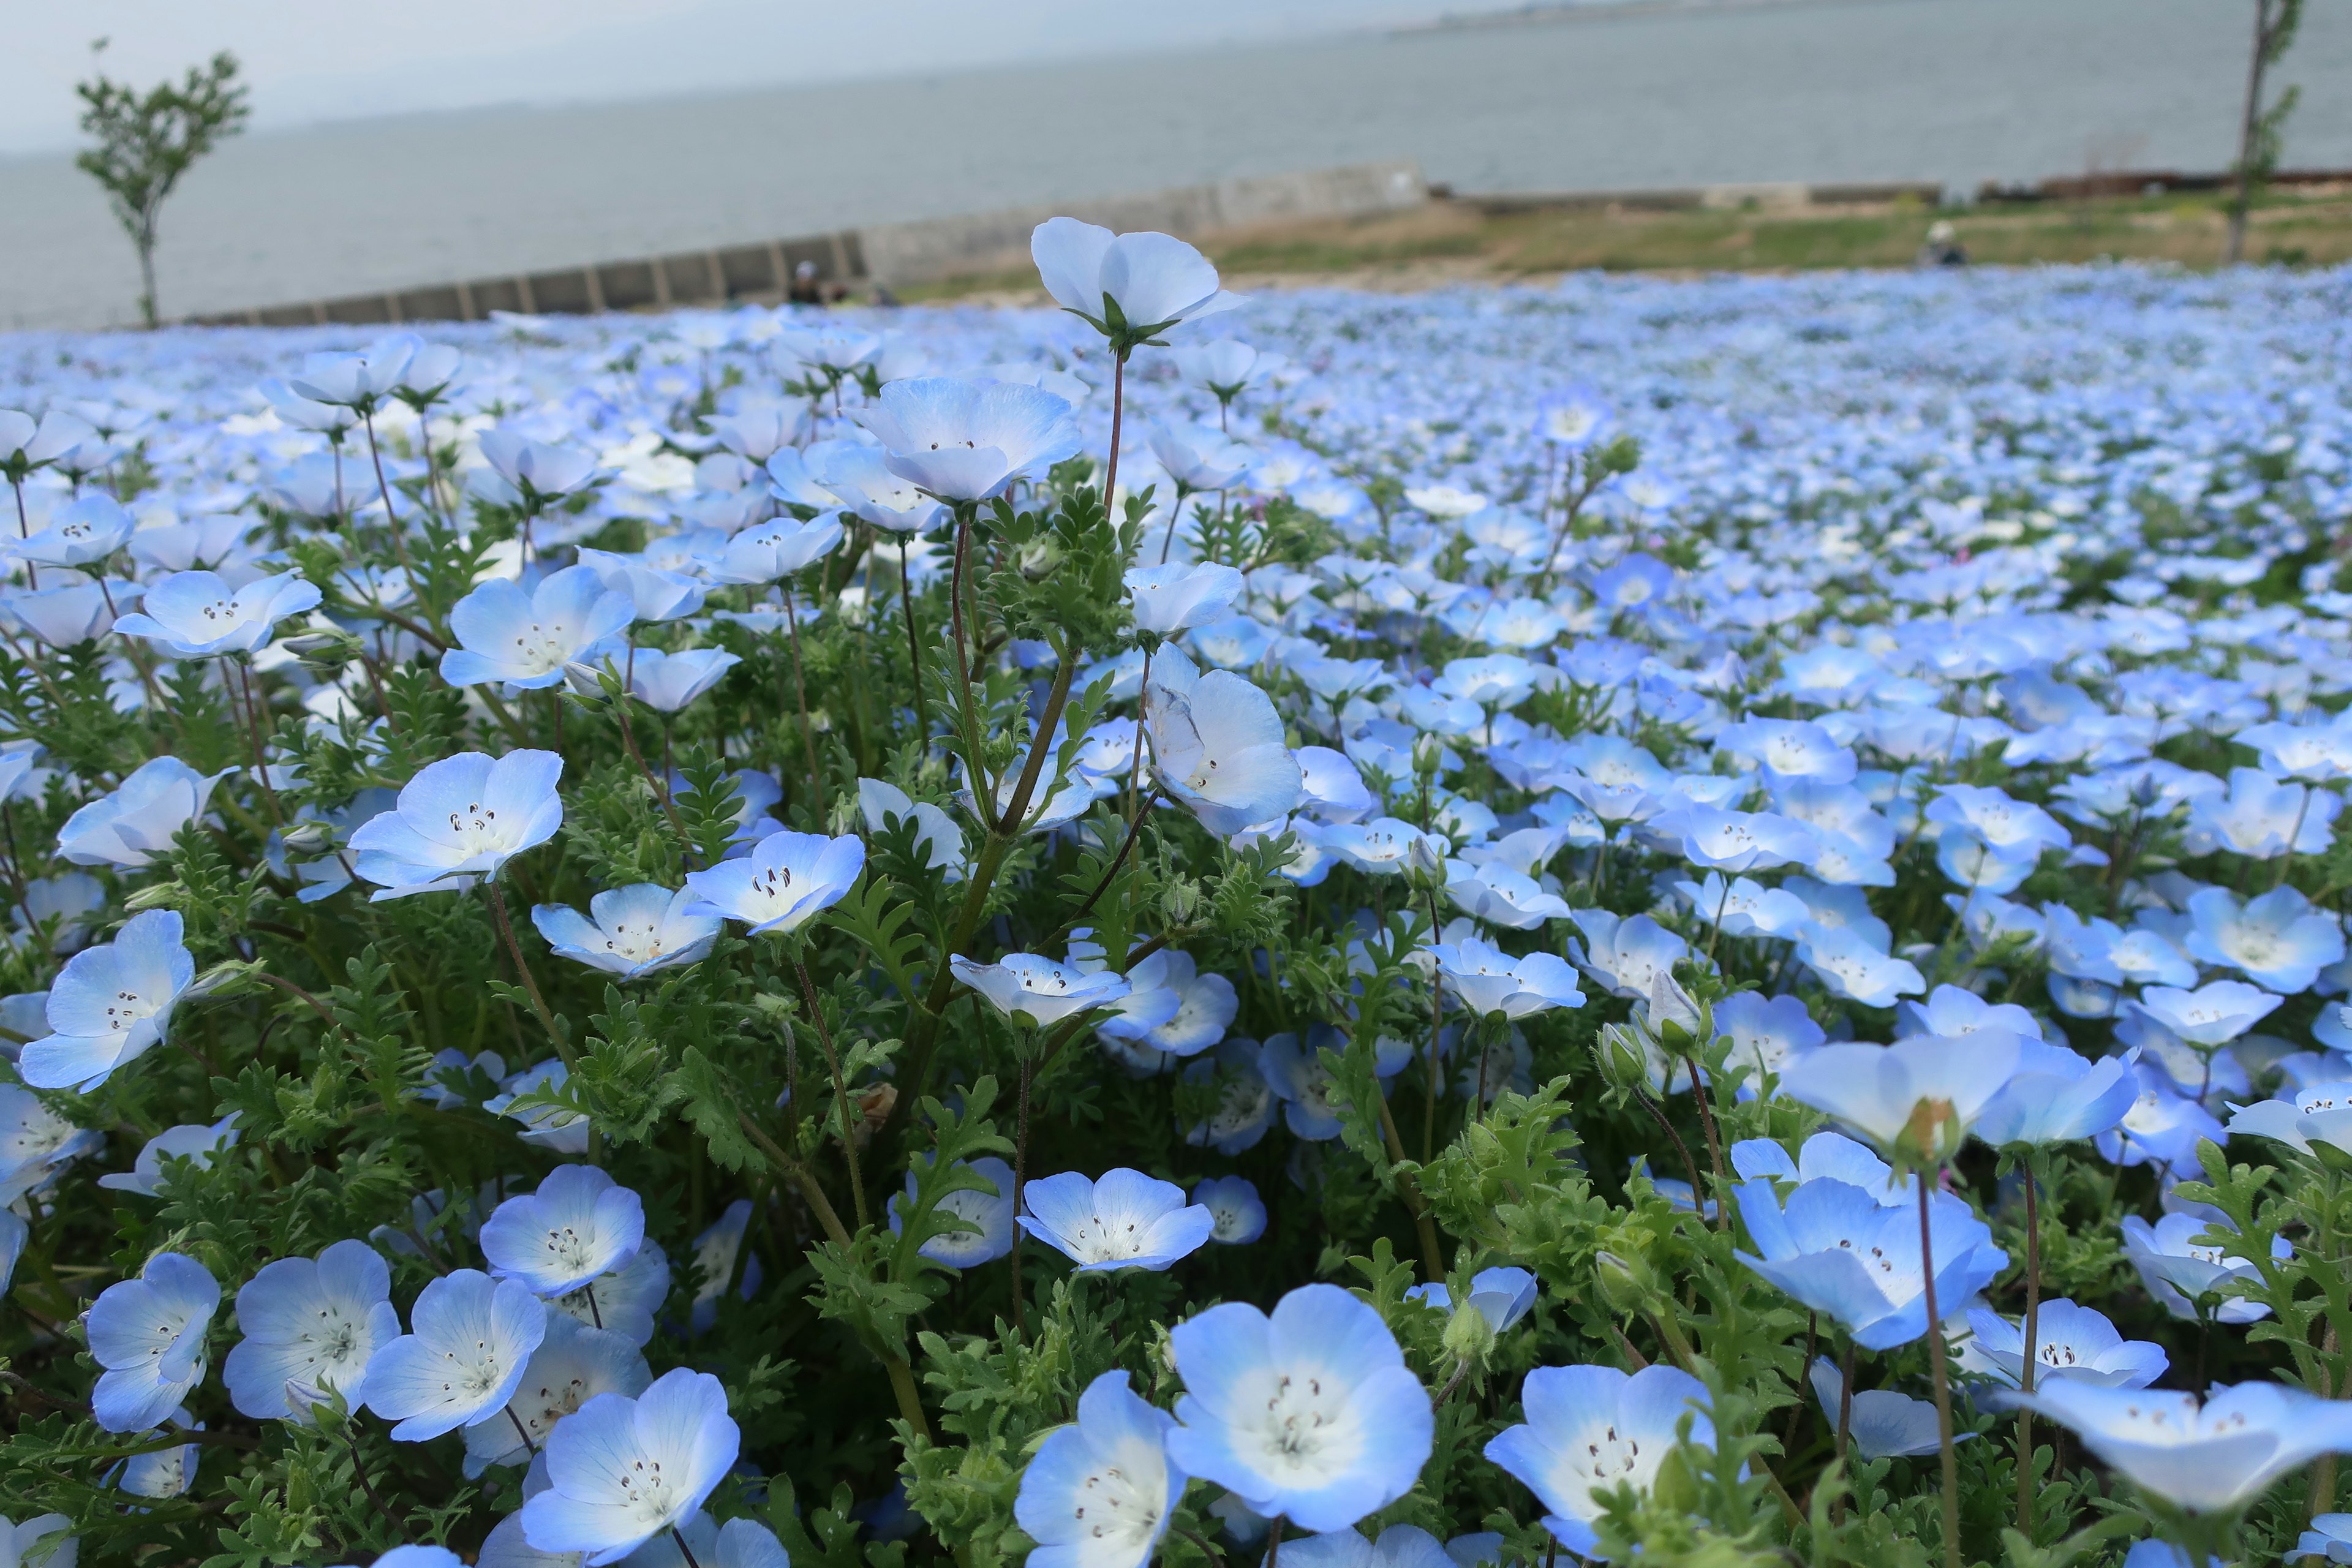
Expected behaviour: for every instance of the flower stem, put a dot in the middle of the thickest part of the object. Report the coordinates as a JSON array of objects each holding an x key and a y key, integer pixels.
[
  {"x": 683, "y": 1549},
  {"x": 1943, "y": 1385},
  {"x": 529, "y": 985},
  {"x": 1714, "y": 1155},
  {"x": 2032, "y": 1352},
  {"x": 914, "y": 644},
  {"x": 800, "y": 694},
  {"x": 840, "y": 1093}
]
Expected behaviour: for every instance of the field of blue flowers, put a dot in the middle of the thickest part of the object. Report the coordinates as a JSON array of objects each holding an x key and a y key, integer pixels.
[{"x": 1693, "y": 920}]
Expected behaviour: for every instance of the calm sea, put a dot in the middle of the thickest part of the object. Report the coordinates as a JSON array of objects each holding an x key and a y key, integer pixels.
[{"x": 1956, "y": 91}]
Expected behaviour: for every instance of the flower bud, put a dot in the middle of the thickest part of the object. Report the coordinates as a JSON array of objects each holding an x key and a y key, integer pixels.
[
  {"x": 1424, "y": 862},
  {"x": 155, "y": 896},
  {"x": 1468, "y": 1335},
  {"x": 1626, "y": 1285},
  {"x": 1181, "y": 901}
]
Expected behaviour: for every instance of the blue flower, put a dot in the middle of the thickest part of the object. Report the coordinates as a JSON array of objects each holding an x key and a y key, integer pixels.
[
  {"x": 1501, "y": 1296},
  {"x": 1154, "y": 280},
  {"x": 1245, "y": 1105},
  {"x": 1489, "y": 981},
  {"x": 563, "y": 1130},
  {"x": 1237, "y": 1211},
  {"x": 112, "y": 1004},
  {"x": 196, "y": 614},
  {"x": 149, "y": 1335},
  {"x": 716, "y": 1251},
  {"x": 459, "y": 819},
  {"x": 579, "y": 1225},
  {"x": 470, "y": 1339},
  {"x": 45, "y": 1540},
  {"x": 2074, "y": 1342},
  {"x": 667, "y": 682},
  {"x": 570, "y": 1366},
  {"x": 1217, "y": 746},
  {"x": 2058, "y": 1095},
  {"x": 1882, "y": 1423},
  {"x": 1124, "y": 1219},
  {"x": 525, "y": 639},
  {"x": 310, "y": 1326},
  {"x": 785, "y": 882},
  {"x": 192, "y": 1141},
  {"x": 1309, "y": 1415},
  {"x": 1590, "y": 1429},
  {"x": 630, "y": 931},
  {"x": 1100, "y": 1492},
  {"x": 988, "y": 1209},
  {"x": 1400, "y": 1546},
  {"x": 2207, "y": 1458},
  {"x": 1839, "y": 1250},
  {"x": 968, "y": 441},
  {"x": 622, "y": 1470},
  {"x": 1918, "y": 1096},
  {"x": 1824, "y": 1154},
  {"x": 1037, "y": 991}
]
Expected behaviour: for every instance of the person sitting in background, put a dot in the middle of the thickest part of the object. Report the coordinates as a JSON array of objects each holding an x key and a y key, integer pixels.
[{"x": 1943, "y": 247}]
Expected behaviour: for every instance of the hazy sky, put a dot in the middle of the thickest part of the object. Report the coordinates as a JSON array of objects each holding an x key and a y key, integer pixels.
[{"x": 315, "y": 59}]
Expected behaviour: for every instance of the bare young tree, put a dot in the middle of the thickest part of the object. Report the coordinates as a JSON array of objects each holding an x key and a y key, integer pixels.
[
  {"x": 147, "y": 141},
  {"x": 2259, "y": 130}
]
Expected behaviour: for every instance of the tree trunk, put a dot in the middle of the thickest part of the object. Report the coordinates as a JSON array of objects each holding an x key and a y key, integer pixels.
[
  {"x": 145, "y": 241},
  {"x": 2247, "y": 126}
]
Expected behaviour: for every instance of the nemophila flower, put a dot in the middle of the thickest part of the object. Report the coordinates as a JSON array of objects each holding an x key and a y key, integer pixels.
[
  {"x": 459, "y": 820},
  {"x": 1124, "y": 1219},
  {"x": 777, "y": 549},
  {"x": 534, "y": 472},
  {"x": 470, "y": 1339},
  {"x": 524, "y": 637},
  {"x": 1171, "y": 1008},
  {"x": 2072, "y": 1342},
  {"x": 1841, "y": 1252},
  {"x": 563, "y": 1131},
  {"x": 788, "y": 880},
  {"x": 630, "y": 931},
  {"x": 1309, "y": 1415},
  {"x": 1181, "y": 596},
  {"x": 2316, "y": 1121},
  {"x": 2328, "y": 1539},
  {"x": 1100, "y": 1492},
  {"x": 2011, "y": 829},
  {"x": 624, "y": 1300},
  {"x": 149, "y": 1335},
  {"x": 14, "y": 1233},
  {"x": 86, "y": 529},
  {"x": 1236, "y": 1212},
  {"x": 2207, "y": 1458},
  {"x": 1849, "y": 965},
  {"x": 162, "y": 1472},
  {"x": 1881, "y": 1423},
  {"x": 112, "y": 1004},
  {"x": 36, "y": 1145},
  {"x": 1920, "y": 1096},
  {"x": 2057, "y": 1095},
  {"x": 71, "y": 615},
  {"x": 1625, "y": 955},
  {"x": 716, "y": 1253},
  {"x": 572, "y": 1364},
  {"x": 1399, "y": 1546},
  {"x": 2276, "y": 939},
  {"x": 1766, "y": 1033},
  {"x": 1591, "y": 1429},
  {"x": 357, "y": 380},
  {"x": 861, "y": 479},
  {"x": 193, "y": 1141},
  {"x": 1246, "y": 1102},
  {"x": 1501, "y": 1296},
  {"x": 655, "y": 592},
  {"x": 28, "y": 444},
  {"x": 967, "y": 440},
  {"x": 621, "y": 1470},
  {"x": 1824, "y": 1155},
  {"x": 2162, "y": 1126},
  {"x": 2261, "y": 818},
  {"x": 1217, "y": 746},
  {"x": 670, "y": 682},
  {"x": 990, "y": 1209},
  {"x": 2213, "y": 1015},
  {"x": 138, "y": 819},
  {"x": 1491, "y": 981},
  {"x": 196, "y": 614},
  {"x": 43, "y": 1539},
  {"x": 938, "y": 841},
  {"x": 1129, "y": 286},
  {"x": 310, "y": 1325},
  {"x": 580, "y": 1224},
  {"x": 2191, "y": 1277},
  {"x": 1738, "y": 840},
  {"x": 1746, "y": 907},
  {"x": 1789, "y": 749}
]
